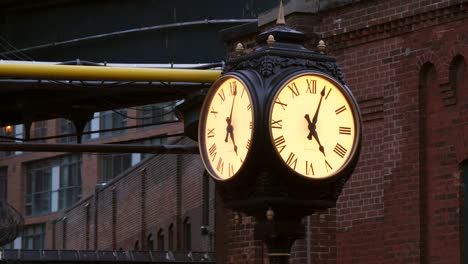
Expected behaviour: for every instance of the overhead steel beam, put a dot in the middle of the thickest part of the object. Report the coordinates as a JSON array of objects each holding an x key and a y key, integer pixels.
[
  {"x": 99, "y": 73},
  {"x": 100, "y": 148}
]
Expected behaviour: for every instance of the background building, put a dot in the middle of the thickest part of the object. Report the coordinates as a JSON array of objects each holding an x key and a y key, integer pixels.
[
  {"x": 405, "y": 62},
  {"x": 66, "y": 197}
]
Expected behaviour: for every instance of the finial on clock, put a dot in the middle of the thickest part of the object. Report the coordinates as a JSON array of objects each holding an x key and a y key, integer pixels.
[{"x": 280, "y": 20}]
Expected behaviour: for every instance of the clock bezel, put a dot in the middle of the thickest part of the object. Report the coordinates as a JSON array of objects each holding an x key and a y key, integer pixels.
[
  {"x": 354, "y": 154},
  {"x": 203, "y": 148}
]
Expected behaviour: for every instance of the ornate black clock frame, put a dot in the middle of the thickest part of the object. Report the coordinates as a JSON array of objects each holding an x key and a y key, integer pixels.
[{"x": 264, "y": 188}]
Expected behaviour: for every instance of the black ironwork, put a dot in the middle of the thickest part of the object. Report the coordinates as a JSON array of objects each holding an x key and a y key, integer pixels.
[
  {"x": 264, "y": 188},
  {"x": 11, "y": 223},
  {"x": 88, "y": 256}
]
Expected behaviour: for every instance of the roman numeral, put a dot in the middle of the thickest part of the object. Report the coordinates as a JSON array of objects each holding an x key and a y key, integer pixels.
[
  {"x": 249, "y": 106},
  {"x": 341, "y": 109},
  {"x": 283, "y": 105},
  {"x": 213, "y": 112},
  {"x": 326, "y": 97},
  {"x": 233, "y": 90},
  {"x": 309, "y": 168},
  {"x": 213, "y": 152},
  {"x": 221, "y": 94},
  {"x": 242, "y": 94},
  {"x": 345, "y": 130},
  {"x": 279, "y": 143},
  {"x": 292, "y": 161},
  {"x": 276, "y": 124},
  {"x": 231, "y": 169},
  {"x": 311, "y": 86},
  {"x": 247, "y": 145},
  {"x": 294, "y": 90},
  {"x": 340, "y": 150},
  {"x": 250, "y": 125},
  {"x": 327, "y": 165},
  {"x": 220, "y": 166},
  {"x": 211, "y": 133}
]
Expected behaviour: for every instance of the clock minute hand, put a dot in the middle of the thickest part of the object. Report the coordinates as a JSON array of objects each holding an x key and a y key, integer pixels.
[
  {"x": 229, "y": 127},
  {"x": 322, "y": 93}
]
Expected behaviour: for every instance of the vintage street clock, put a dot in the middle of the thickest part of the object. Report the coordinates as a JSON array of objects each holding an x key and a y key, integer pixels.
[
  {"x": 280, "y": 133},
  {"x": 226, "y": 127},
  {"x": 314, "y": 125}
]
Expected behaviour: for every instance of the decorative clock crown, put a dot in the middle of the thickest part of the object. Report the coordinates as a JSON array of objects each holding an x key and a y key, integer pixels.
[{"x": 283, "y": 47}]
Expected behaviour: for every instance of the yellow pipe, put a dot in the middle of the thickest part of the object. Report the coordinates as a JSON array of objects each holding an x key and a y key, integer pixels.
[{"x": 96, "y": 73}]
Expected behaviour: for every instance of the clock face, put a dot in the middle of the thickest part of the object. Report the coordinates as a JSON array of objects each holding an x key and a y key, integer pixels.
[
  {"x": 225, "y": 131},
  {"x": 313, "y": 125}
]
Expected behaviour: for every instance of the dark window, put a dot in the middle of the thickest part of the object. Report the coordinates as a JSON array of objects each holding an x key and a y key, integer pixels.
[
  {"x": 46, "y": 192},
  {"x": 152, "y": 141},
  {"x": 156, "y": 113},
  {"x": 33, "y": 236},
  {"x": 111, "y": 120},
  {"x": 39, "y": 130},
  {"x": 136, "y": 246},
  {"x": 150, "y": 242},
  {"x": 115, "y": 164},
  {"x": 6, "y": 135},
  {"x": 66, "y": 127},
  {"x": 171, "y": 238},
  {"x": 187, "y": 234},
  {"x": 457, "y": 71},
  {"x": 161, "y": 240},
  {"x": 206, "y": 199},
  {"x": 3, "y": 183}
]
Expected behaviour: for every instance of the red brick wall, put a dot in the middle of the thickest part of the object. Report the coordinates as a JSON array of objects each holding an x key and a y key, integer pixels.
[
  {"x": 402, "y": 204},
  {"x": 138, "y": 204}
]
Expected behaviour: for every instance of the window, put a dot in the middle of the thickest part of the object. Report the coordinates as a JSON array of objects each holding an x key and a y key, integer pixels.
[
  {"x": 70, "y": 181},
  {"x": 171, "y": 237},
  {"x": 33, "y": 237},
  {"x": 3, "y": 183},
  {"x": 152, "y": 141},
  {"x": 155, "y": 113},
  {"x": 6, "y": 133},
  {"x": 457, "y": 71},
  {"x": 187, "y": 234},
  {"x": 52, "y": 185},
  {"x": 161, "y": 240},
  {"x": 39, "y": 130},
  {"x": 150, "y": 242},
  {"x": 115, "y": 164},
  {"x": 38, "y": 188},
  {"x": 66, "y": 127},
  {"x": 112, "y": 119}
]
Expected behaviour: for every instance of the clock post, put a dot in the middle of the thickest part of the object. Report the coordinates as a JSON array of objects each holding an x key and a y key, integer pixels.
[{"x": 280, "y": 133}]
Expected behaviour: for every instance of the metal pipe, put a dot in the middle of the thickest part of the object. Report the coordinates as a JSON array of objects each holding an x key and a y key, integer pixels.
[
  {"x": 206, "y": 65},
  {"x": 93, "y": 73},
  {"x": 142, "y": 29},
  {"x": 100, "y": 148}
]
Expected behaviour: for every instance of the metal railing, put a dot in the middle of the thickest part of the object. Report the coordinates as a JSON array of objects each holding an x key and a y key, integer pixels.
[{"x": 86, "y": 256}]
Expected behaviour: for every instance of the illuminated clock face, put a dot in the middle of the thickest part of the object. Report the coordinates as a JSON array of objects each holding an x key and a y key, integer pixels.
[
  {"x": 313, "y": 125},
  {"x": 226, "y": 127}
]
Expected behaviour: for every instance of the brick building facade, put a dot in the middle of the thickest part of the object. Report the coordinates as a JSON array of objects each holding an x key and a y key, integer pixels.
[{"x": 405, "y": 62}]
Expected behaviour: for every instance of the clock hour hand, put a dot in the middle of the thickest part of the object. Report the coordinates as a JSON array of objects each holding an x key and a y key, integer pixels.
[
  {"x": 230, "y": 133},
  {"x": 310, "y": 126},
  {"x": 321, "y": 148}
]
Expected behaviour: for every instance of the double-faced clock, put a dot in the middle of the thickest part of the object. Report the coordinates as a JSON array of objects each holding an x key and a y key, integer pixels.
[
  {"x": 314, "y": 125},
  {"x": 226, "y": 127}
]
